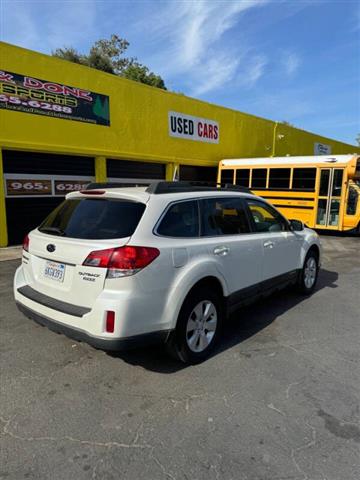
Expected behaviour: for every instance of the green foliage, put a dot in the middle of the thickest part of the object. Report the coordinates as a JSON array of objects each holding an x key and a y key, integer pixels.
[
  {"x": 108, "y": 56},
  {"x": 69, "y": 54},
  {"x": 357, "y": 139},
  {"x": 142, "y": 74}
]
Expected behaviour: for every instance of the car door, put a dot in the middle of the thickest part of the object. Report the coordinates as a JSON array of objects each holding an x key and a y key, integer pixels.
[
  {"x": 226, "y": 232},
  {"x": 281, "y": 247}
]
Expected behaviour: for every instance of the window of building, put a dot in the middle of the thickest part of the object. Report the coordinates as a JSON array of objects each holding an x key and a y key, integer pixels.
[
  {"x": 181, "y": 220},
  {"x": 223, "y": 216},
  {"x": 259, "y": 178},
  {"x": 304, "y": 179},
  {"x": 242, "y": 177},
  {"x": 279, "y": 178}
]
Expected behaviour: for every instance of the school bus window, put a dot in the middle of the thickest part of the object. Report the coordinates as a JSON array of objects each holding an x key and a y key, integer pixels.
[
  {"x": 324, "y": 183},
  {"x": 242, "y": 177},
  {"x": 279, "y": 178},
  {"x": 352, "y": 201},
  {"x": 321, "y": 211},
  {"x": 227, "y": 176},
  {"x": 304, "y": 179},
  {"x": 334, "y": 212},
  {"x": 337, "y": 184},
  {"x": 259, "y": 178}
]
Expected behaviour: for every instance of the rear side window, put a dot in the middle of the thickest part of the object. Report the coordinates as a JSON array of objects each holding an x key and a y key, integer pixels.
[
  {"x": 94, "y": 218},
  {"x": 180, "y": 220},
  {"x": 223, "y": 216}
]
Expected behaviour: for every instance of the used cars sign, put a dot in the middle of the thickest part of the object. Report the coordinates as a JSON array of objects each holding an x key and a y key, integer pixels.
[{"x": 193, "y": 128}]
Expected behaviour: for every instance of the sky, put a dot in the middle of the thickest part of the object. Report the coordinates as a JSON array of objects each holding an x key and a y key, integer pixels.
[{"x": 286, "y": 60}]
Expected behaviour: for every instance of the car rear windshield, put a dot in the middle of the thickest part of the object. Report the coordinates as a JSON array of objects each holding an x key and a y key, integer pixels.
[{"x": 94, "y": 218}]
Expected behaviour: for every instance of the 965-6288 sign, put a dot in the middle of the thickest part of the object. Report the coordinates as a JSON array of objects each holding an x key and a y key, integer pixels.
[{"x": 41, "y": 97}]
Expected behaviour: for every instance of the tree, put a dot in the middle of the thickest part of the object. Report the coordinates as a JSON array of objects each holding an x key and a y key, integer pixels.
[
  {"x": 108, "y": 55},
  {"x": 140, "y": 73},
  {"x": 70, "y": 54},
  {"x": 284, "y": 122},
  {"x": 357, "y": 139}
]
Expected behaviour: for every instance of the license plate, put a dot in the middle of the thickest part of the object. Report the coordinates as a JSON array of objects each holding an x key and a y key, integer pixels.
[{"x": 55, "y": 271}]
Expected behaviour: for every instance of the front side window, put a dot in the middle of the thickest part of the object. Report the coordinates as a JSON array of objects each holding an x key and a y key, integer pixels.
[
  {"x": 91, "y": 218},
  {"x": 180, "y": 220},
  {"x": 352, "y": 201},
  {"x": 266, "y": 218},
  {"x": 223, "y": 216}
]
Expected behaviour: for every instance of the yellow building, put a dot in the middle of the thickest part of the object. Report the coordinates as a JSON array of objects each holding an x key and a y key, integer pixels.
[{"x": 63, "y": 124}]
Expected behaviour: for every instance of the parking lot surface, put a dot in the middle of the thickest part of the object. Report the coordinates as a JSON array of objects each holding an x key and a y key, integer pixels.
[{"x": 279, "y": 400}]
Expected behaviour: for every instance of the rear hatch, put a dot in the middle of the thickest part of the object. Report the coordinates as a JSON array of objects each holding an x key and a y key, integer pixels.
[{"x": 58, "y": 248}]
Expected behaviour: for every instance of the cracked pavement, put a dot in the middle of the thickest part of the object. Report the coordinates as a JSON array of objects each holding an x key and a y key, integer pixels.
[{"x": 279, "y": 400}]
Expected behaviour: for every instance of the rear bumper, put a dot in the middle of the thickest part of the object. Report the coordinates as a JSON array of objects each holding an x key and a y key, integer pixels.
[{"x": 113, "y": 344}]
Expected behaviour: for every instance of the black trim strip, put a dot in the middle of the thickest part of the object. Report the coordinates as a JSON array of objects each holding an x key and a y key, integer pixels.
[
  {"x": 253, "y": 189},
  {"x": 250, "y": 294},
  {"x": 53, "y": 303},
  {"x": 107, "y": 344},
  {"x": 294, "y": 206},
  {"x": 290, "y": 198}
]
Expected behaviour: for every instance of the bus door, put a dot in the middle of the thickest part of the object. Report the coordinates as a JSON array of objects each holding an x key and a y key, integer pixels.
[{"x": 329, "y": 198}]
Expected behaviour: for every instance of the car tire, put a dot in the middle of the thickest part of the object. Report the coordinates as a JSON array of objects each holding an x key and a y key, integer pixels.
[
  {"x": 198, "y": 327},
  {"x": 309, "y": 273}
]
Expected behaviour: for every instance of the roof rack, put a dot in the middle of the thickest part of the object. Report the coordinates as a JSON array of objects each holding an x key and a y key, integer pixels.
[
  {"x": 96, "y": 185},
  {"x": 163, "y": 187}
]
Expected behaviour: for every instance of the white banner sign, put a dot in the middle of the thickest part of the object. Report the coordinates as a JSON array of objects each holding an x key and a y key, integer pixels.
[
  {"x": 322, "y": 149},
  {"x": 193, "y": 128}
]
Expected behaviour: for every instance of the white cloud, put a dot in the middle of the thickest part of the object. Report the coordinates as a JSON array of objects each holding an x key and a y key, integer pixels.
[
  {"x": 46, "y": 25},
  {"x": 290, "y": 62},
  {"x": 193, "y": 32}
]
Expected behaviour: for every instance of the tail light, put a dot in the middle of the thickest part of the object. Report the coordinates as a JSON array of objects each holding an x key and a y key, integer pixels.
[
  {"x": 26, "y": 242},
  {"x": 122, "y": 261}
]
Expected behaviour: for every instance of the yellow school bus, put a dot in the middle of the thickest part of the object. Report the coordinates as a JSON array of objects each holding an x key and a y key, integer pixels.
[{"x": 321, "y": 191}]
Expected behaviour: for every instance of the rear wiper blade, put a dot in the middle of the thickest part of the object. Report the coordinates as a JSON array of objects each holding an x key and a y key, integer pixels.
[{"x": 55, "y": 230}]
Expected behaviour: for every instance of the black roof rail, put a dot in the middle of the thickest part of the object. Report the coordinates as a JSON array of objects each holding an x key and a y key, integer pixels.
[
  {"x": 96, "y": 185},
  {"x": 163, "y": 187}
]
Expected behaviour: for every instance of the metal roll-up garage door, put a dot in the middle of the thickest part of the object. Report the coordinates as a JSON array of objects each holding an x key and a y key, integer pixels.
[
  {"x": 35, "y": 183},
  {"x": 129, "y": 172},
  {"x": 199, "y": 174}
]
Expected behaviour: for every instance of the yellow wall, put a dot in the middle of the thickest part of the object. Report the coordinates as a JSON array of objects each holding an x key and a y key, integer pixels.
[{"x": 139, "y": 121}]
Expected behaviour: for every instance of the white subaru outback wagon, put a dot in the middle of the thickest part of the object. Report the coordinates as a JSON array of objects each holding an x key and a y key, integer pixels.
[{"x": 124, "y": 266}]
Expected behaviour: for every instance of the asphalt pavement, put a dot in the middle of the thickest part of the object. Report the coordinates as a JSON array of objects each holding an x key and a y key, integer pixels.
[{"x": 279, "y": 400}]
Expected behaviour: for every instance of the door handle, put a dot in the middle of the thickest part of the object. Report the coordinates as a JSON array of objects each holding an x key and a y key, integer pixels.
[
  {"x": 268, "y": 244},
  {"x": 221, "y": 250}
]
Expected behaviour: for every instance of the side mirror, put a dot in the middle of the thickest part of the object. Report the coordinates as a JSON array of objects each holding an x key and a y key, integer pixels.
[{"x": 296, "y": 225}]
